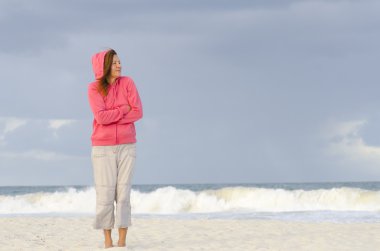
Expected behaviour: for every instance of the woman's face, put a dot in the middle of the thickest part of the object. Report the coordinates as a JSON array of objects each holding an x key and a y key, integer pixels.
[{"x": 116, "y": 67}]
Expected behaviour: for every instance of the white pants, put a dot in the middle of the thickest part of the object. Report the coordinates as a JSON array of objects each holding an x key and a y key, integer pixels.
[{"x": 113, "y": 170}]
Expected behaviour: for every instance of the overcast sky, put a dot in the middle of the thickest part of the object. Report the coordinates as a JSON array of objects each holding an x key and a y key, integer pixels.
[{"x": 233, "y": 91}]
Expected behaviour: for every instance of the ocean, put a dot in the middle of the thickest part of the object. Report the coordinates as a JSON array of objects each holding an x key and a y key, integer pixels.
[{"x": 316, "y": 202}]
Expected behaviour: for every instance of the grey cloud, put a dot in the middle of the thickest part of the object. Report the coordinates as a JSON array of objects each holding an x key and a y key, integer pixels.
[
  {"x": 34, "y": 26},
  {"x": 36, "y": 134}
]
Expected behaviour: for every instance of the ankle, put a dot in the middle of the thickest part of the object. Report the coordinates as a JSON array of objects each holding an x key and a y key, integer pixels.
[{"x": 121, "y": 244}]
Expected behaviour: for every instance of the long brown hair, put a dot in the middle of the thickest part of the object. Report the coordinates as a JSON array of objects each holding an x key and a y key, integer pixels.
[{"x": 103, "y": 83}]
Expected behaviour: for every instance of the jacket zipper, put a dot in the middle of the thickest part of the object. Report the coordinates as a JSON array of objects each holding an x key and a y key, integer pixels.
[{"x": 115, "y": 96}]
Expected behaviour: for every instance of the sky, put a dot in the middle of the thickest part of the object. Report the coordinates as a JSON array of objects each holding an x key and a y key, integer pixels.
[{"x": 232, "y": 91}]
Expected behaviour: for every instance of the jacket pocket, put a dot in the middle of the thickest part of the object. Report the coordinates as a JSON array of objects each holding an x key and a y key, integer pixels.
[
  {"x": 126, "y": 130},
  {"x": 104, "y": 132}
]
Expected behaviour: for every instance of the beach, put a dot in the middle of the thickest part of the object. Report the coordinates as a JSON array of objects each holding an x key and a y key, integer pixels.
[
  {"x": 76, "y": 233},
  {"x": 270, "y": 217}
]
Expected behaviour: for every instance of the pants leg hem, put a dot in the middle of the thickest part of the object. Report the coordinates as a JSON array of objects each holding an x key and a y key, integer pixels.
[
  {"x": 123, "y": 226},
  {"x": 100, "y": 227}
]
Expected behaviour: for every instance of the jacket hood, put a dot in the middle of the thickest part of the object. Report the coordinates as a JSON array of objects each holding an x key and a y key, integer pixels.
[{"x": 98, "y": 63}]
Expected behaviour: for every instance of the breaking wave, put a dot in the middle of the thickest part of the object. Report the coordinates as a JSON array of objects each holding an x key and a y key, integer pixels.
[{"x": 171, "y": 200}]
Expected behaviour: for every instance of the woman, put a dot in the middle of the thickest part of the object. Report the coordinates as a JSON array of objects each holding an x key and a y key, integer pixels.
[{"x": 116, "y": 105}]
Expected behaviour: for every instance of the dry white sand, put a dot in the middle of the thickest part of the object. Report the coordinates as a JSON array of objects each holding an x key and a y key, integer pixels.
[{"x": 76, "y": 233}]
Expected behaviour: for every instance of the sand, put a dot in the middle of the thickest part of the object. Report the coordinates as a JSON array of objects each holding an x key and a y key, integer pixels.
[{"x": 76, "y": 233}]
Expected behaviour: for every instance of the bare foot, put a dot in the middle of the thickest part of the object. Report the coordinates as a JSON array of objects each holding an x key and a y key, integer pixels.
[
  {"x": 122, "y": 237},
  {"x": 107, "y": 238},
  {"x": 121, "y": 243},
  {"x": 108, "y": 244}
]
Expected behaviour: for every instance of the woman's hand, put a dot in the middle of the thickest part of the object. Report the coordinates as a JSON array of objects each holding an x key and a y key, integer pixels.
[{"x": 125, "y": 108}]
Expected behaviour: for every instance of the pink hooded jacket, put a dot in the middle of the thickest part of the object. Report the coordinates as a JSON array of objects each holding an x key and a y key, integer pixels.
[{"x": 113, "y": 123}]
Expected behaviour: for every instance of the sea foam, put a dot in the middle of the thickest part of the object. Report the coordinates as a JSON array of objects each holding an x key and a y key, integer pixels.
[{"x": 171, "y": 200}]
